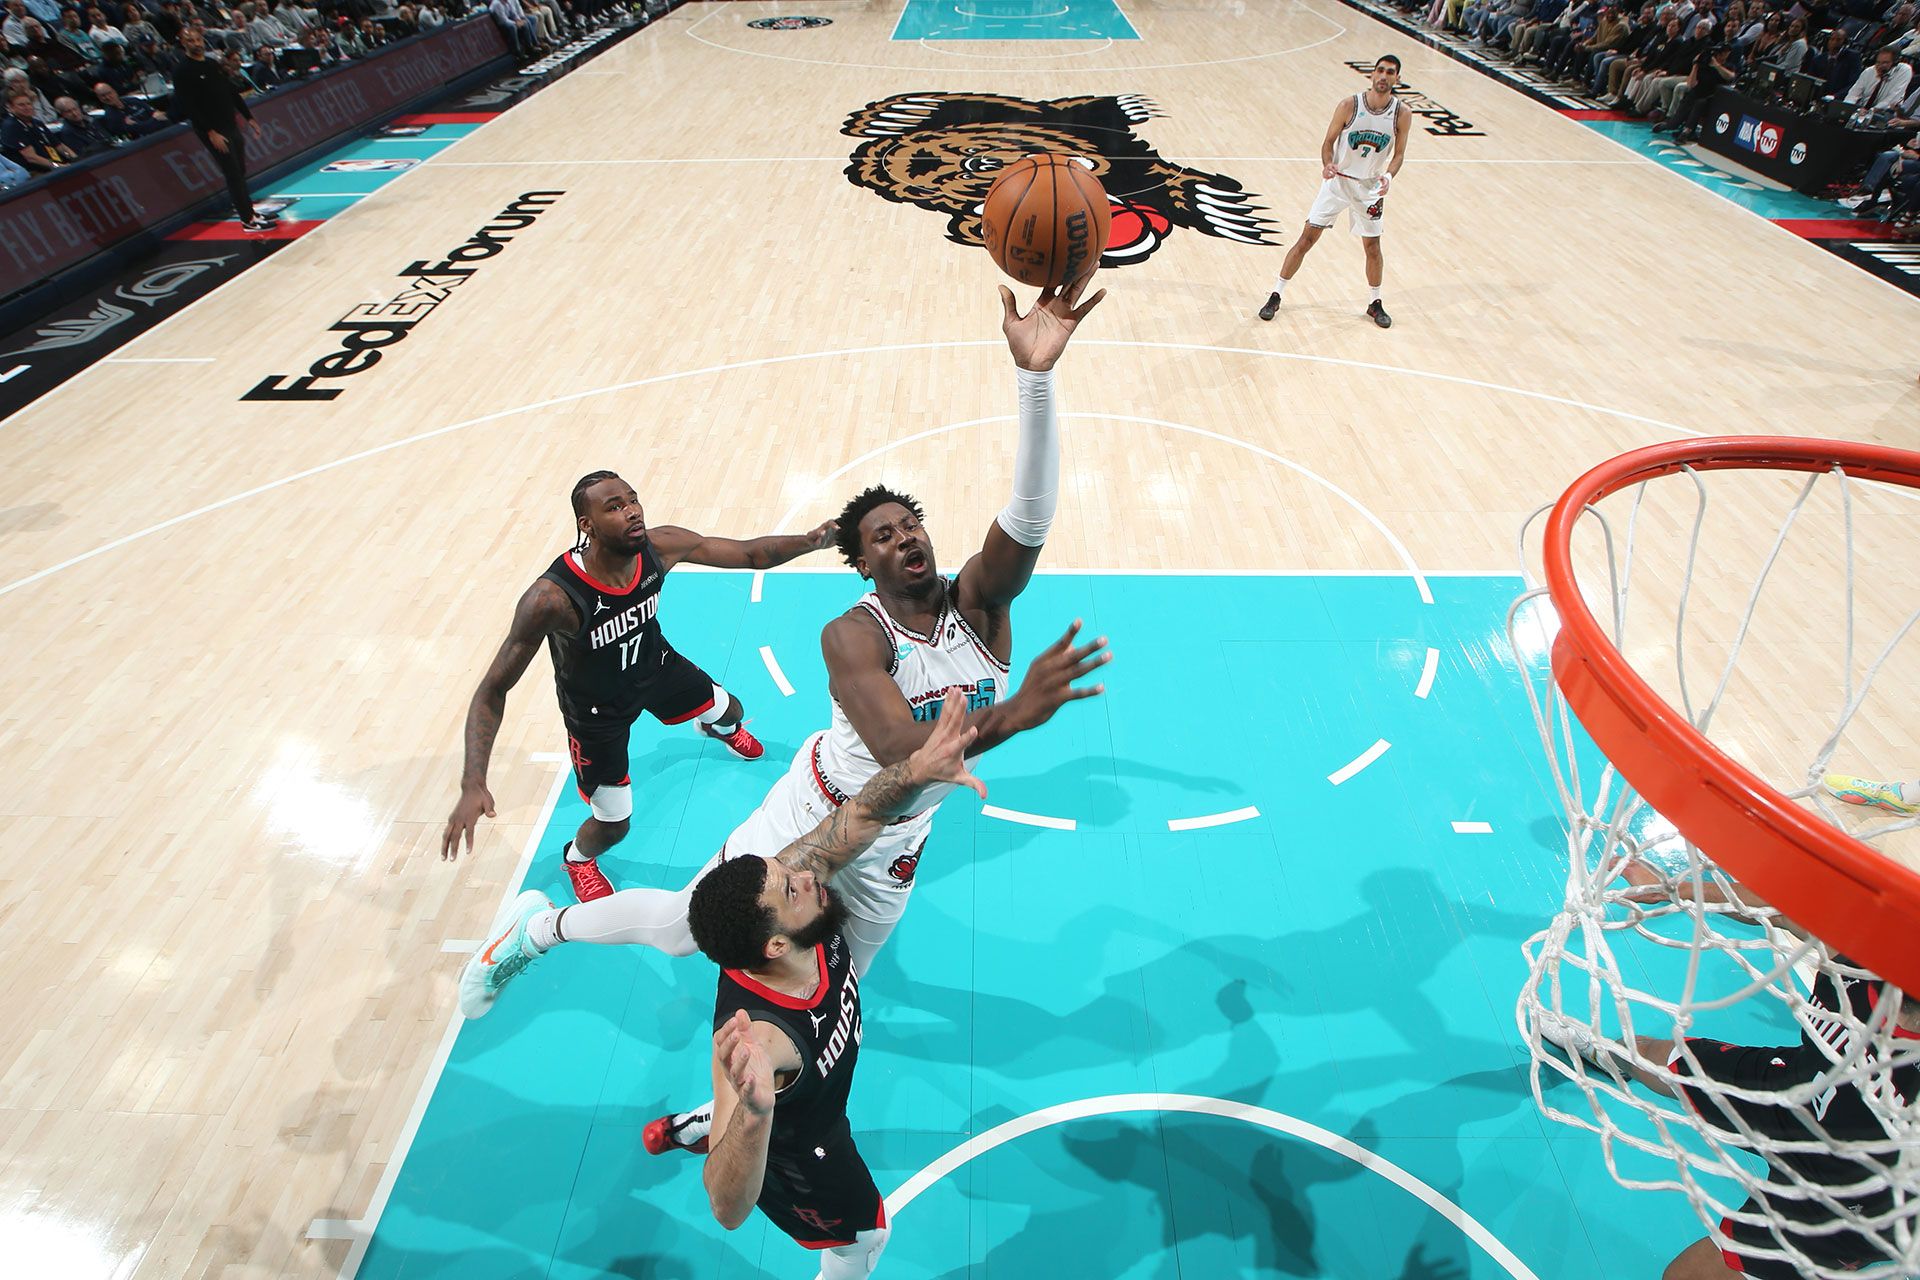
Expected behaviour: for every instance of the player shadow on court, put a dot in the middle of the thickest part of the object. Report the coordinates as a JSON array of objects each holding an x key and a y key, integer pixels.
[
  {"x": 1288, "y": 977},
  {"x": 1300, "y": 1186},
  {"x": 1276, "y": 1204}
]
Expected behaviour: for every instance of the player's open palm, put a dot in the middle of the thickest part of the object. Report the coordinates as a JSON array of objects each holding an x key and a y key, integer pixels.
[
  {"x": 1050, "y": 677},
  {"x": 744, "y": 1061},
  {"x": 1038, "y": 337},
  {"x": 943, "y": 756}
]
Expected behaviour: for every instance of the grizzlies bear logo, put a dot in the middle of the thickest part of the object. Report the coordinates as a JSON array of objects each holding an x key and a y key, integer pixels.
[{"x": 942, "y": 151}]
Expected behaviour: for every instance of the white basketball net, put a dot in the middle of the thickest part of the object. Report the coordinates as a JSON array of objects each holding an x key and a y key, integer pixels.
[{"x": 1663, "y": 959}]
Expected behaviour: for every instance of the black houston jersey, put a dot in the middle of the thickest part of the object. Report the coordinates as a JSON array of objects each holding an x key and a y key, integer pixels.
[
  {"x": 601, "y": 669},
  {"x": 812, "y": 1110},
  {"x": 1841, "y": 1111}
]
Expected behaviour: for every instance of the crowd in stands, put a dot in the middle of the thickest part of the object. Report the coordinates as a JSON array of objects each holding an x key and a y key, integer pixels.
[
  {"x": 1664, "y": 62},
  {"x": 81, "y": 78}
]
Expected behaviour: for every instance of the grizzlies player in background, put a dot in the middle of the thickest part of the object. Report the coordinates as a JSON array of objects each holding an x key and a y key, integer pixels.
[
  {"x": 596, "y": 608},
  {"x": 1357, "y": 166}
]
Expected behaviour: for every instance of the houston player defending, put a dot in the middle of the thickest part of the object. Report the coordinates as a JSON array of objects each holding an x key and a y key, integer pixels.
[
  {"x": 787, "y": 1014},
  {"x": 1357, "y": 169},
  {"x": 610, "y": 662}
]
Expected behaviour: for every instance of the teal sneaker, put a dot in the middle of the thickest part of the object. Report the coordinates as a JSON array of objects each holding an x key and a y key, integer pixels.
[
  {"x": 502, "y": 957},
  {"x": 1881, "y": 795}
]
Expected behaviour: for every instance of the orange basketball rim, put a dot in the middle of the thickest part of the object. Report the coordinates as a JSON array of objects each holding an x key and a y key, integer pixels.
[{"x": 1849, "y": 894}]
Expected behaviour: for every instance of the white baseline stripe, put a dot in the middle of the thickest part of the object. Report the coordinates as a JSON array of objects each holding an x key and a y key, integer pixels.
[
  {"x": 1162, "y": 1103},
  {"x": 332, "y": 1229},
  {"x": 1427, "y": 672},
  {"x": 1212, "y": 819},
  {"x": 159, "y": 360},
  {"x": 1365, "y": 758},
  {"x": 1029, "y": 819},
  {"x": 364, "y": 1225},
  {"x": 693, "y": 33},
  {"x": 773, "y": 669},
  {"x": 1473, "y": 828}
]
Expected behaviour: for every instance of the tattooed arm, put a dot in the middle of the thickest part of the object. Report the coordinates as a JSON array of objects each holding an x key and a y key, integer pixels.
[
  {"x": 893, "y": 791},
  {"x": 543, "y": 610}
]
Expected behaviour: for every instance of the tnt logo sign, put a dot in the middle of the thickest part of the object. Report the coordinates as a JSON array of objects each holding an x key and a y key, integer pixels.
[{"x": 1767, "y": 139}]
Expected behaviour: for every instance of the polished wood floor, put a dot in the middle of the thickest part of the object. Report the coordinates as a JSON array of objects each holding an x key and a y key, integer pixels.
[{"x": 239, "y": 636}]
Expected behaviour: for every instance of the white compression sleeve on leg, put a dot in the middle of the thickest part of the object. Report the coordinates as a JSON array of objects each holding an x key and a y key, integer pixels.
[
  {"x": 654, "y": 918},
  {"x": 854, "y": 1261},
  {"x": 1036, "y": 463}
]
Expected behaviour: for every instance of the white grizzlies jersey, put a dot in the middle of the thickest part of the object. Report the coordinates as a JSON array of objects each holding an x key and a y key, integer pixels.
[
  {"x": 923, "y": 668},
  {"x": 1363, "y": 148},
  {"x": 834, "y": 764}
]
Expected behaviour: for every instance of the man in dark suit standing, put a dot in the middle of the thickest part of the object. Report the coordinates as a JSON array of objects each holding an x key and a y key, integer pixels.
[{"x": 205, "y": 98}]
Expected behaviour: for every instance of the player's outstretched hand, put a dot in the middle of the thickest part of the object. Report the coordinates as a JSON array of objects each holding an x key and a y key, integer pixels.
[
  {"x": 745, "y": 1063},
  {"x": 1049, "y": 683},
  {"x": 822, "y": 535},
  {"x": 473, "y": 802},
  {"x": 1038, "y": 337},
  {"x": 943, "y": 756}
]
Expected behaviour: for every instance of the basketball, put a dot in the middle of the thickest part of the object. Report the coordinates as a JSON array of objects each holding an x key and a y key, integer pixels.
[{"x": 1045, "y": 220}]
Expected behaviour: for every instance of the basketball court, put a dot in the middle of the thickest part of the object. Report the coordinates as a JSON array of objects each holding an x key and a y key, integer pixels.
[{"x": 1220, "y": 981}]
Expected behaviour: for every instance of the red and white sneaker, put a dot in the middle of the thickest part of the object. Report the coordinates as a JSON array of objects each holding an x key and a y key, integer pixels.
[
  {"x": 740, "y": 742},
  {"x": 679, "y": 1133},
  {"x": 589, "y": 882}
]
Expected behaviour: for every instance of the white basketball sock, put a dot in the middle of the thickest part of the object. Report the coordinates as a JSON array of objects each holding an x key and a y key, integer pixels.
[
  {"x": 1373, "y": 294},
  {"x": 1910, "y": 791},
  {"x": 1280, "y": 285},
  {"x": 543, "y": 930}
]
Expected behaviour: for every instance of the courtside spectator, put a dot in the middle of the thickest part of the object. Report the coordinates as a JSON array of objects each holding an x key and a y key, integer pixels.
[
  {"x": 103, "y": 32},
  {"x": 236, "y": 69},
  {"x": 74, "y": 38},
  {"x": 1791, "y": 53},
  {"x": 21, "y": 81},
  {"x": 1882, "y": 85},
  {"x": 116, "y": 70},
  {"x": 1836, "y": 62},
  {"x": 516, "y": 26},
  {"x": 266, "y": 68},
  {"x": 126, "y": 120},
  {"x": 78, "y": 133},
  {"x": 27, "y": 142},
  {"x": 1713, "y": 70},
  {"x": 271, "y": 30}
]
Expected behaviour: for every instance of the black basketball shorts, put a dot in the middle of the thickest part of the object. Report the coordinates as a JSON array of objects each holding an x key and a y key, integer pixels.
[
  {"x": 824, "y": 1197},
  {"x": 674, "y": 692}
]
